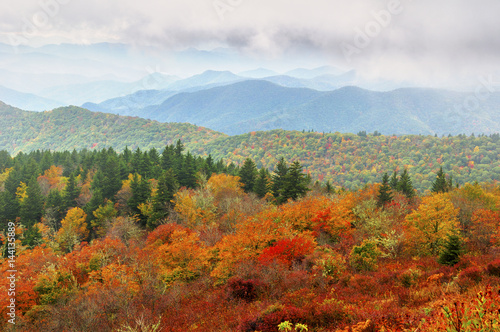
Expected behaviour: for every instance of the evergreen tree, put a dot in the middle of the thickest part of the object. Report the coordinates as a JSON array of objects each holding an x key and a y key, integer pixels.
[
  {"x": 155, "y": 162},
  {"x": 248, "y": 175},
  {"x": 384, "y": 192},
  {"x": 179, "y": 148},
  {"x": 452, "y": 251},
  {"x": 111, "y": 181},
  {"x": 393, "y": 182},
  {"x": 141, "y": 192},
  {"x": 31, "y": 237},
  {"x": 71, "y": 193},
  {"x": 209, "y": 166},
  {"x": 187, "y": 173},
  {"x": 295, "y": 184},
  {"x": 127, "y": 155},
  {"x": 55, "y": 205},
  {"x": 261, "y": 187},
  {"x": 5, "y": 160},
  {"x": 162, "y": 202},
  {"x": 32, "y": 206},
  {"x": 9, "y": 208},
  {"x": 329, "y": 188},
  {"x": 405, "y": 185},
  {"x": 278, "y": 179},
  {"x": 440, "y": 184},
  {"x": 46, "y": 161},
  {"x": 96, "y": 200},
  {"x": 168, "y": 158}
]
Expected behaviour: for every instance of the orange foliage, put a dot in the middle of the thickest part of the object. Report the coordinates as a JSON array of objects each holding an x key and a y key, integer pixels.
[
  {"x": 29, "y": 265},
  {"x": 485, "y": 228}
]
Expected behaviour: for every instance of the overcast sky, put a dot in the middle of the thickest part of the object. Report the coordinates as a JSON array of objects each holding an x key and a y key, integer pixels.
[{"x": 426, "y": 40}]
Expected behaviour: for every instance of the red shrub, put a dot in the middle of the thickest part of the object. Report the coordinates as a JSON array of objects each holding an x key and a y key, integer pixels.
[
  {"x": 470, "y": 276},
  {"x": 287, "y": 251},
  {"x": 270, "y": 321},
  {"x": 494, "y": 268},
  {"x": 246, "y": 290}
]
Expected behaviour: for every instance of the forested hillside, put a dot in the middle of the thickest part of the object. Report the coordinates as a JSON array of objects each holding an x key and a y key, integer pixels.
[
  {"x": 160, "y": 240},
  {"x": 348, "y": 160},
  {"x": 352, "y": 160},
  {"x": 68, "y": 128}
]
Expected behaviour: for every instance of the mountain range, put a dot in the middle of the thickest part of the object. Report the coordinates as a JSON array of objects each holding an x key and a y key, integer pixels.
[{"x": 252, "y": 105}]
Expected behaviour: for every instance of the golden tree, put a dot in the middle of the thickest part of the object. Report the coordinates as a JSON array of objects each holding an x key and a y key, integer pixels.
[
  {"x": 74, "y": 229},
  {"x": 429, "y": 226}
]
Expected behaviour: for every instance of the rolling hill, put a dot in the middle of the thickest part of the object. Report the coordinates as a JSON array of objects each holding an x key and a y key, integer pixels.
[
  {"x": 260, "y": 105},
  {"x": 69, "y": 128},
  {"x": 344, "y": 159}
]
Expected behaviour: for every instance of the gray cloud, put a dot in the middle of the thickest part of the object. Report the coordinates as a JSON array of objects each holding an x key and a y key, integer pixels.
[{"x": 428, "y": 40}]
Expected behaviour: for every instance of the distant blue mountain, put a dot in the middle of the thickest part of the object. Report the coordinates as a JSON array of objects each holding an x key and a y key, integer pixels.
[
  {"x": 260, "y": 105},
  {"x": 27, "y": 101}
]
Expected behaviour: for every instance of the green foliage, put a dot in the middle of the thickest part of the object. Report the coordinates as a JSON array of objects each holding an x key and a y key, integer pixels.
[
  {"x": 162, "y": 201},
  {"x": 452, "y": 251},
  {"x": 287, "y": 326},
  {"x": 248, "y": 175},
  {"x": 405, "y": 185},
  {"x": 365, "y": 256},
  {"x": 288, "y": 182},
  {"x": 31, "y": 237},
  {"x": 261, "y": 187},
  {"x": 32, "y": 205},
  {"x": 441, "y": 184},
  {"x": 384, "y": 192}
]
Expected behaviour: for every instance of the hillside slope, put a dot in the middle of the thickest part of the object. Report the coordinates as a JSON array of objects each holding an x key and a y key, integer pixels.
[
  {"x": 69, "y": 128},
  {"x": 344, "y": 159}
]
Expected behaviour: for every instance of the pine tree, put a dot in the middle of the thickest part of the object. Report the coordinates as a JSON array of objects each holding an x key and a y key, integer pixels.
[
  {"x": 9, "y": 205},
  {"x": 452, "y": 251},
  {"x": 278, "y": 179},
  {"x": 32, "y": 206},
  {"x": 55, "y": 205},
  {"x": 168, "y": 158},
  {"x": 329, "y": 188},
  {"x": 261, "y": 187},
  {"x": 295, "y": 183},
  {"x": 179, "y": 148},
  {"x": 141, "y": 192},
  {"x": 31, "y": 237},
  {"x": 384, "y": 192},
  {"x": 440, "y": 185},
  {"x": 209, "y": 166},
  {"x": 111, "y": 177},
  {"x": 162, "y": 202},
  {"x": 248, "y": 175},
  {"x": 405, "y": 185},
  {"x": 71, "y": 193},
  {"x": 393, "y": 182},
  {"x": 187, "y": 172}
]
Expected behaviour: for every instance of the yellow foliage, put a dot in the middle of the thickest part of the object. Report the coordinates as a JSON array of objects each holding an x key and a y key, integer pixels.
[
  {"x": 220, "y": 182},
  {"x": 21, "y": 192},
  {"x": 429, "y": 226},
  {"x": 73, "y": 229},
  {"x": 5, "y": 175}
]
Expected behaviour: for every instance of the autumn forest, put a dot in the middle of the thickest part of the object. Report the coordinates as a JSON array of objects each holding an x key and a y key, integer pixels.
[{"x": 166, "y": 241}]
